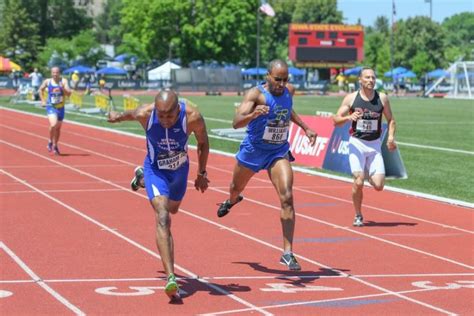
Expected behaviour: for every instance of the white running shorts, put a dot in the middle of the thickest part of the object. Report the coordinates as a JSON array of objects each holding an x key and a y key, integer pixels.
[{"x": 366, "y": 156}]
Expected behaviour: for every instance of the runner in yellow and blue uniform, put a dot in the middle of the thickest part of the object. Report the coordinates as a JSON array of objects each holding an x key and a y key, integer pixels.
[
  {"x": 267, "y": 111},
  {"x": 58, "y": 89}
]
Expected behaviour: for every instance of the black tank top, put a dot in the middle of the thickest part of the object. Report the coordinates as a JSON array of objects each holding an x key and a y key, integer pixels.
[{"x": 369, "y": 126}]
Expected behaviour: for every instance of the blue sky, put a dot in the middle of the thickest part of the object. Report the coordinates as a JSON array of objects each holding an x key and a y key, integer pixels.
[{"x": 369, "y": 10}]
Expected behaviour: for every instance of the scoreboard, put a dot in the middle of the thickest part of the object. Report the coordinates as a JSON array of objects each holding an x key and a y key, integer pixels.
[{"x": 326, "y": 45}]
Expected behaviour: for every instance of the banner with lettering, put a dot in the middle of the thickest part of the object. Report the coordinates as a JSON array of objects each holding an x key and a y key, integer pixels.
[{"x": 331, "y": 151}]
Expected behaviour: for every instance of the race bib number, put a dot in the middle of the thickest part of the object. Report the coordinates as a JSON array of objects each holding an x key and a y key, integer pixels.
[
  {"x": 172, "y": 161},
  {"x": 367, "y": 126},
  {"x": 56, "y": 99},
  {"x": 276, "y": 133}
]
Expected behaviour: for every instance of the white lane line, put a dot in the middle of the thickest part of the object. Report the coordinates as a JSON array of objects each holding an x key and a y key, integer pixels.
[
  {"x": 296, "y": 188},
  {"x": 358, "y": 232},
  {"x": 305, "y": 170},
  {"x": 39, "y": 281},
  {"x": 277, "y": 208},
  {"x": 112, "y": 231},
  {"x": 232, "y": 139},
  {"x": 359, "y": 280},
  {"x": 60, "y": 191},
  {"x": 460, "y": 151},
  {"x": 232, "y": 296},
  {"x": 301, "y": 303},
  {"x": 245, "y": 277},
  {"x": 302, "y": 189}
]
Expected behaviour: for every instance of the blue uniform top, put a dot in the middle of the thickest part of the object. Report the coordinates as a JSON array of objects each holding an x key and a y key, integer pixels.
[
  {"x": 56, "y": 94},
  {"x": 270, "y": 131},
  {"x": 167, "y": 147}
]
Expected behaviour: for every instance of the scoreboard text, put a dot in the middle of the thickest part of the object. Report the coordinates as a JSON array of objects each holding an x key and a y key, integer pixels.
[{"x": 329, "y": 45}]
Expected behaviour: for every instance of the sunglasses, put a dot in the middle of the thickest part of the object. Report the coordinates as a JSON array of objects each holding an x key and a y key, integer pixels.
[{"x": 278, "y": 79}]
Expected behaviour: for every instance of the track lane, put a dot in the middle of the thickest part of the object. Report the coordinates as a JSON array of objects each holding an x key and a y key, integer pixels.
[{"x": 266, "y": 212}]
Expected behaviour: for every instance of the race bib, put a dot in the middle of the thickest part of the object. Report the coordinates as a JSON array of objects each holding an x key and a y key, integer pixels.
[
  {"x": 172, "y": 161},
  {"x": 367, "y": 126},
  {"x": 276, "y": 133},
  {"x": 56, "y": 98}
]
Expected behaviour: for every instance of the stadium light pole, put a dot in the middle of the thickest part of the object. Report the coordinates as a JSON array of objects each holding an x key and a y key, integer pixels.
[
  {"x": 431, "y": 8},
  {"x": 257, "y": 57},
  {"x": 391, "y": 41},
  {"x": 170, "y": 50}
]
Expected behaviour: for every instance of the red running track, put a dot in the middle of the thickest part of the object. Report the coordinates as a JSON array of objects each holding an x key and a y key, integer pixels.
[{"x": 75, "y": 240}]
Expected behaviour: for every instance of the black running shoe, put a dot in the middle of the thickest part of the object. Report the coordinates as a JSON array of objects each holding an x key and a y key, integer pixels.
[
  {"x": 225, "y": 207},
  {"x": 290, "y": 261},
  {"x": 135, "y": 184}
]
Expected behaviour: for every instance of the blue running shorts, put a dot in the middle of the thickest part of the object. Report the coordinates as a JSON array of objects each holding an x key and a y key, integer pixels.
[
  {"x": 258, "y": 159},
  {"x": 169, "y": 183},
  {"x": 59, "y": 112}
]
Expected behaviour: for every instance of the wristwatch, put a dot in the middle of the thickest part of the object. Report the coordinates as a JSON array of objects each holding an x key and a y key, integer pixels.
[{"x": 203, "y": 174}]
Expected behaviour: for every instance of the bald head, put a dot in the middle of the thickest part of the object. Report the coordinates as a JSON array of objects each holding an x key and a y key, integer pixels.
[
  {"x": 55, "y": 73},
  {"x": 166, "y": 101},
  {"x": 276, "y": 63}
]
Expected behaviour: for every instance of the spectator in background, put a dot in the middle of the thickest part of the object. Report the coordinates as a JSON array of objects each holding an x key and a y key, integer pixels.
[
  {"x": 36, "y": 79},
  {"x": 15, "y": 75},
  {"x": 87, "y": 81},
  {"x": 341, "y": 81},
  {"x": 75, "y": 79},
  {"x": 102, "y": 83}
]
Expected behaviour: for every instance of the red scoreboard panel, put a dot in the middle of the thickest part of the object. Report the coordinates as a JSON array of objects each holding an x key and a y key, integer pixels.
[{"x": 326, "y": 45}]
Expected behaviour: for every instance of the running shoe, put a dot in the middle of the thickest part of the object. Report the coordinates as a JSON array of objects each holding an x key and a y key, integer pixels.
[
  {"x": 50, "y": 147},
  {"x": 135, "y": 184},
  {"x": 56, "y": 151},
  {"x": 290, "y": 261},
  {"x": 358, "y": 221},
  {"x": 225, "y": 207},
  {"x": 172, "y": 288}
]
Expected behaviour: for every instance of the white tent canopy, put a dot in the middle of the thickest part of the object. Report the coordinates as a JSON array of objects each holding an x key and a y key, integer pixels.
[{"x": 162, "y": 72}]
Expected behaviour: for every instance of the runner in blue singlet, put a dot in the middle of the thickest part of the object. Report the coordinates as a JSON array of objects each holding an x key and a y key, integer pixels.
[
  {"x": 168, "y": 123},
  {"x": 267, "y": 111},
  {"x": 57, "y": 90}
]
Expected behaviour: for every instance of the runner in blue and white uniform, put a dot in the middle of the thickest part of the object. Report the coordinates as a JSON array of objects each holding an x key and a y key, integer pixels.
[
  {"x": 168, "y": 123},
  {"x": 57, "y": 89},
  {"x": 267, "y": 111},
  {"x": 364, "y": 109}
]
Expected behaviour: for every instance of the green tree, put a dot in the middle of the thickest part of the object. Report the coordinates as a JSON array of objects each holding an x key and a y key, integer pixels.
[
  {"x": 421, "y": 63},
  {"x": 274, "y": 35},
  {"x": 377, "y": 51},
  {"x": 459, "y": 36},
  {"x": 133, "y": 46},
  {"x": 63, "y": 52},
  {"x": 19, "y": 39},
  {"x": 108, "y": 23},
  {"x": 382, "y": 25},
  {"x": 64, "y": 20},
  {"x": 317, "y": 11},
  {"x": 87, "y": 48},
  {"x": 193, "y": 30},
  {"x": 154, "y": 30},
  {"x": 377, "y": 45},
  {"x": 419, "y": 34},
  {"x": 221, "y": 30}
]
